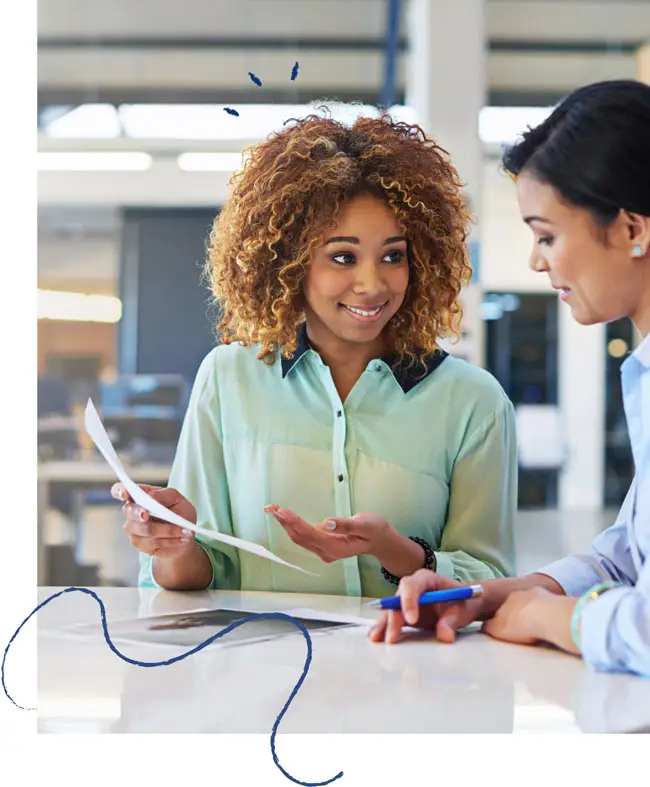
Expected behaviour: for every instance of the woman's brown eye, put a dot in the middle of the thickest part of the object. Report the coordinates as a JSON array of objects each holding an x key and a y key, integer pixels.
[{"x": 343, "y": 258}]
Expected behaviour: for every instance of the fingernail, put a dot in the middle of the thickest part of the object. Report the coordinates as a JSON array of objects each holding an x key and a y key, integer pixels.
[
  {"x": 186, "y": 532},
  {"x": 184, "y": 540},
  {"x": 331, "y": 524},
  {"x": 141, "y": 514}
]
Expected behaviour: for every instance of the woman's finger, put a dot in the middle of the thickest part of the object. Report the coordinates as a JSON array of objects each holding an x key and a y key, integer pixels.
[
  {"x": 378, "y": 631},
  {"x": 119, "y": 492},
  {"x": 135, "y": 528},
  {"x": 394, "y": 626},
  {"x": 162, "y": 530},
  {"x": 162, "y": 548},
  {"x": 298, "y": 535},
  {"x": 135, "y": 513},
  {"x": 342, "y": 526},
  {"x": 293, "y": 525},
  {"x": 448, "y": 622}
]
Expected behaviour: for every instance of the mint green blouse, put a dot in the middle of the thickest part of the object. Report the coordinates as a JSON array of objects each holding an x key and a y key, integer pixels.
[{"x": 435, "y": 455}]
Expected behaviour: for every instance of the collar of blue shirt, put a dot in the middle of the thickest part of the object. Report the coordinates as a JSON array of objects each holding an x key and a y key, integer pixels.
[
  {"x": 407, "y": 373},
  {"x": 642, "y": 352}
]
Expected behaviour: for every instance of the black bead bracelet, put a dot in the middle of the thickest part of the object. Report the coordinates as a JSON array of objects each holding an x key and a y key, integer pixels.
[{"x": 429, "y": 560}]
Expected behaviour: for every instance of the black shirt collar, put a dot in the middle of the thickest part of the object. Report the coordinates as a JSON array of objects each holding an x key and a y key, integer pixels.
[{"x": 407, "y": 373}]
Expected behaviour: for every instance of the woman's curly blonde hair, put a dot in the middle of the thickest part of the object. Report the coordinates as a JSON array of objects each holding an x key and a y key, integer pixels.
[{"x": 287, "y": 198}]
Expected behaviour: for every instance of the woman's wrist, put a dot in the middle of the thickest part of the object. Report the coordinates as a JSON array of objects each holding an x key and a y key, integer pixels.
[
  {"x": 191, "y": 571},
  {"x": 496, "y": 591},
  {"x": 399, "y": 555},
  {"x": 552, "y": 615}
]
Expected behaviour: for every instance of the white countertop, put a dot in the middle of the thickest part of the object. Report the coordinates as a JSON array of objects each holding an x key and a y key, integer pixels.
[{"x": 353, "y": 685}]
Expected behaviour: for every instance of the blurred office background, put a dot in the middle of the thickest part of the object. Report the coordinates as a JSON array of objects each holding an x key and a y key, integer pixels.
[{"x": 135, "y": 151}]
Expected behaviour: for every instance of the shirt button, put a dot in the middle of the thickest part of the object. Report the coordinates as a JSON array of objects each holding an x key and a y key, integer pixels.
[
  {"x": 339, "y": 413},
  {"x": 340, "y": 478}
]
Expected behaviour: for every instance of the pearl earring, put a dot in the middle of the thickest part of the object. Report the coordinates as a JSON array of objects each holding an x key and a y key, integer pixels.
[{"x": 637, "y": 251}]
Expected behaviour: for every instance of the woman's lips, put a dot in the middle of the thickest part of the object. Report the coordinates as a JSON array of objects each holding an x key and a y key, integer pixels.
[{"x": 364, "y": 313}]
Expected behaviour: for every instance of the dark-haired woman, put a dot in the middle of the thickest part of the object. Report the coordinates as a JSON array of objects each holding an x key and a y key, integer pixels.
[
  {"x": 583, "y": 187},
  {"x": 329, "y": 427}
]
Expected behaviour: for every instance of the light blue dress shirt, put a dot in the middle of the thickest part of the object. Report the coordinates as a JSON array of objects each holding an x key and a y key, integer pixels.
[
  {"x": 615, "y": 628},
  {"x": 430, "y": 448}
]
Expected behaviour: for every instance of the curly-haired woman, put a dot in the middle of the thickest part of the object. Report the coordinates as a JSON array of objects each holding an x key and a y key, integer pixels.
[{"x": 338, "y": 263}]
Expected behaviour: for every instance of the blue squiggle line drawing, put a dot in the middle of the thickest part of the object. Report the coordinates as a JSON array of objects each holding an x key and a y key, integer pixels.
[
  {"x": 258, "y": 82},
  {"x": 204, "y": 644}
]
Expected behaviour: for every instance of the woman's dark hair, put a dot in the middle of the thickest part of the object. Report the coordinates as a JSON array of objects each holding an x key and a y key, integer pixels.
[{"x": 594, "y": 149}]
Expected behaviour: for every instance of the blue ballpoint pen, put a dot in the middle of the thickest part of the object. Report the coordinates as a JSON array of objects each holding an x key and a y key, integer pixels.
[{"x": 433, "y": 597}]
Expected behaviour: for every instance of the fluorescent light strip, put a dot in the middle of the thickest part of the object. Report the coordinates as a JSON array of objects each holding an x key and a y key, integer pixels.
[
  {"x": 95, "y": 161},
  {"x": 196, "y": 121},
  {"x": 78, "y": 307},
  {"x": 210, "y": 162},
  {"x": 209, "y": 121},
  {"x": 256, "y": 121},
  {"x": 503, "y": 125},
  {"x": 88, "y": 121}
]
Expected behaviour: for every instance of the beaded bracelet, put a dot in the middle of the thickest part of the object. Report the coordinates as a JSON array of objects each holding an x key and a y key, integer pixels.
[
  {"x": 429, "y": 560},
  {"x": 590, "y": 595}
]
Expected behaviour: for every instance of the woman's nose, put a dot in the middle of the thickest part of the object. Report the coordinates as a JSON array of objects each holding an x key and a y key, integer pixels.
[
  {"x": 537, "y": 263},
  {"x": 368, "y": 279}
]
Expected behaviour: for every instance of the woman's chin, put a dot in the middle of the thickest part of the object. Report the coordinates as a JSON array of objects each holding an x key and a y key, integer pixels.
[{"x": 584, "y": 317}]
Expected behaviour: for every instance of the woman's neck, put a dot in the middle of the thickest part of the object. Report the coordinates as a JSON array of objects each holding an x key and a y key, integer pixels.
[
  {"x": 641, "y": 316},
  {"x": 346, "y": 360}
]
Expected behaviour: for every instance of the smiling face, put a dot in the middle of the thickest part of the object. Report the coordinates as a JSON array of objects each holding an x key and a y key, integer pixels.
[
  {"x": 593, "y": 269},
  {"x": 357, "y": 280}
]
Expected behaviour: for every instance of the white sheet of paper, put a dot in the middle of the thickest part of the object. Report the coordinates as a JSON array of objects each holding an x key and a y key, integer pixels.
[{"x": 95, "y": 429}]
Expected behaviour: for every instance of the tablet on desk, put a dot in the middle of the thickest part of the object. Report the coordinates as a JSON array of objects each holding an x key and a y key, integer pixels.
[{"x": 195, "y": 626}]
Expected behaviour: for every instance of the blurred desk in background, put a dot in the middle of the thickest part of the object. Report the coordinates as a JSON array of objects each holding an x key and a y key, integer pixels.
[{"x": 78, "y": 478}]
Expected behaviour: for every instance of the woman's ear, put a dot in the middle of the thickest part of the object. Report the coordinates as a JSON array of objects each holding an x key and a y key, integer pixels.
[{"x": 638, "y": 233}]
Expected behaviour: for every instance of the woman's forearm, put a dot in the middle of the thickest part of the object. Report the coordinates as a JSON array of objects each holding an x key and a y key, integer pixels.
[
  {"x": 399, "y": 555},
  {"x": 193, "y": 571}
]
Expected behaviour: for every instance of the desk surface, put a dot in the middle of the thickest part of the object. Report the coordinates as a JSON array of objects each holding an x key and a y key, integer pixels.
[
  {"x": 98, "y": 471},
  {"x": 353, "y": 685}
]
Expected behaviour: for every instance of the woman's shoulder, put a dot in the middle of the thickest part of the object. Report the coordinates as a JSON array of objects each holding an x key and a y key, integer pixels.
[
  {"x": 471, "y": 384},
  {"x": 226, "y": 360}
]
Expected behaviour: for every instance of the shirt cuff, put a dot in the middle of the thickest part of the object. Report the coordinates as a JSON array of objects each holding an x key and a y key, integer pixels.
[
  {"x": 210, "y": 586},
  {"x": 445, "y": 565},
  {"x": 596, "y": 631},
  {"x": 146, "y": 578},
  {"x": 575, "y": 575}
]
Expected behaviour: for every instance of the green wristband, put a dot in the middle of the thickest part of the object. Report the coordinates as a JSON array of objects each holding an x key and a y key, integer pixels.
[{"x": 590, "y": 595}]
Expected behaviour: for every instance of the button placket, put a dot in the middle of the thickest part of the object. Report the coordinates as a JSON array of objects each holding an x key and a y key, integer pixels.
[{"x": 342, "y": 490}]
